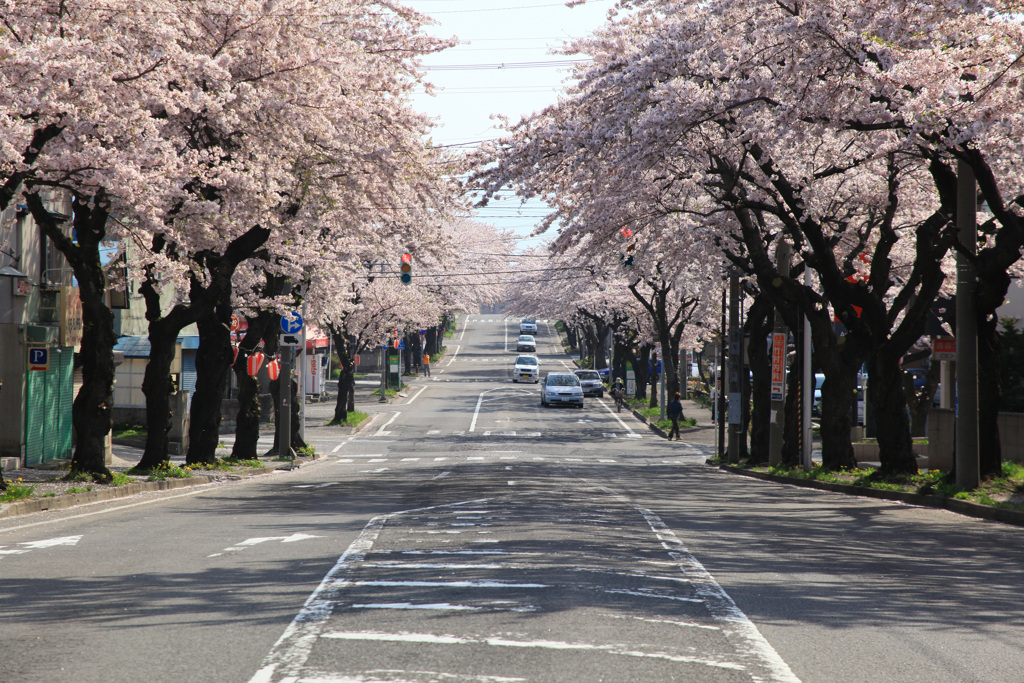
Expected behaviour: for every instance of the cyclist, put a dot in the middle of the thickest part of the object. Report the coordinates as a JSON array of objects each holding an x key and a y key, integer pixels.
[{"x": 619, "y": 392}]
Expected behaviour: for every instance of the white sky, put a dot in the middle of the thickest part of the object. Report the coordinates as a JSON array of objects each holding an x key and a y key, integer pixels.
[{"x": 492, "y": 32}]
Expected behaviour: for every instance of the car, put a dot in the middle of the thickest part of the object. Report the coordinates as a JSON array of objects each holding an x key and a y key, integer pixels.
[
  {"x": 526, "y": 369},
  {"x": 590, "y": 381},
  {"x": 526, "y": 342},
  {"x": 528, "y": 326},
  {"x": 561, "y": 388}
]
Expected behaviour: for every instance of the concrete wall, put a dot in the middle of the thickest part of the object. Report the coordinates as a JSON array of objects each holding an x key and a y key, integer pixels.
[{"x": 942, "y": 438}]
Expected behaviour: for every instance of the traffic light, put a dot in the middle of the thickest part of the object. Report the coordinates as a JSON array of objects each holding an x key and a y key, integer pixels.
[{"x": 406, "y": 268}]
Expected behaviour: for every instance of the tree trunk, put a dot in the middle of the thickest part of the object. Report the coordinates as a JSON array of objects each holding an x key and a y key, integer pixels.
[
  {"x": 346, "y": 379},
  {"x": 759, "y": 324},
  {"x": 213, "y": 363},
  {"x": 643, "y": 359},
  {"x": 247, "y": 421},
  {"x": 885, "y": 385},
  {"x": 91, "y": 410},
  {"x": 990, "y": 391},
  {"x": 157, "y": 387},
  {"x": 920, "y": 402}
]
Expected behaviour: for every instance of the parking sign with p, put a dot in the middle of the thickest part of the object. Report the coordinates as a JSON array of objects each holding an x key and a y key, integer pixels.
[{"x": 39, "y": 358}]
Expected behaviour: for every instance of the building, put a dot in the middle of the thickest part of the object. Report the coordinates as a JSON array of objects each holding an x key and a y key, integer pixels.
[{"x": 40, "y": 330}]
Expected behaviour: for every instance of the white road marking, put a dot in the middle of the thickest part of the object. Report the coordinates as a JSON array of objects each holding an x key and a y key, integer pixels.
[
  {"x": 381, "y": 431},
  {"x": 427, "y": 638},
  {"x": 433, "y": 431},
  {"x": 454, "y": 356},
  {"x": 441, "y": 459},
  {"x": 464, "y": 326},
  {"x": 410, "y": 459},
  {"x": 450, "y": 584},
  {"x": 631, "y": 434},
  {"x": 51, "y": 542},
  {"x": 416, "y": 396},
  {"x": 263, "y": 539},
  {"x": 408, "y": 605}
]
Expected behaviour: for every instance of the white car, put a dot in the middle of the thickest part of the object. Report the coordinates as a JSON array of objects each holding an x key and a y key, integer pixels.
[
  {"x": 526, "y": 343},
  {"x": 526, "y": 369},
  {"x": 528, "y": 326},
  {"x": 591, "y": 382},
  {"x": 561, "y": 388}
]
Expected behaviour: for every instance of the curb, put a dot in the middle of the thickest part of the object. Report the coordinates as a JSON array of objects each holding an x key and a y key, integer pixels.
[
  {"x": 68, "y": 500},
  {"x": 963, "y": 507}
]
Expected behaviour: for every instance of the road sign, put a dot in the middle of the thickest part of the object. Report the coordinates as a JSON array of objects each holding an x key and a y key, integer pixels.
[
  {"x": 234, "y": 323},
  {"x": 39, "y": 358},
  {"x": 401, "y": 344},
  {"x": 291, "y": 323},
  {"x": 779, "y": 342},
  {"x": 944, "y": 348},
  {"x": 289, "y": 340}
]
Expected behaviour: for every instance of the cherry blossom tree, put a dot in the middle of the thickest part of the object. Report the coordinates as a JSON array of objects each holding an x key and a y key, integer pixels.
[
  {"x": 81, "y": 84},
  {"x": 310, "y": 141},
  {"x": 803, "y": 120}
]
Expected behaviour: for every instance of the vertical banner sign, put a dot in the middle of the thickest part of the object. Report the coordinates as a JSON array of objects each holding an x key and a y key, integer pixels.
[
  {"x": 778, "y": 366},
  {"x": 630, "y": 380}
]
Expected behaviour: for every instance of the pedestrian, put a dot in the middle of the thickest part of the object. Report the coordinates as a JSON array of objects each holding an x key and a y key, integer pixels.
[
  {"x": 426, "y": 365},
  {"x": 675, "y": 413}
]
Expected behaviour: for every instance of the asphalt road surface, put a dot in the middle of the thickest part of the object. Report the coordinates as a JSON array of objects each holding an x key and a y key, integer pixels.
[{"x": 468, "y": 534}]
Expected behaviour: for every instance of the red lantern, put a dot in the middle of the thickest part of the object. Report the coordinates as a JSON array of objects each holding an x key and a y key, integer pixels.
[
  {"x": 255, "y": 363},
  {"x": 274, "y": 369}
]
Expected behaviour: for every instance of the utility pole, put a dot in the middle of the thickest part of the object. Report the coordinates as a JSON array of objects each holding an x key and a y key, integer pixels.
[
  {"x": 735, "y": 367},
  {"x": 807, "y": 387},
  {"x": 967, "y": 464},
  {"x": 780, "y": 343},
  {"x": 720, "y": 388},
  {"x": 284, "y": 427}
]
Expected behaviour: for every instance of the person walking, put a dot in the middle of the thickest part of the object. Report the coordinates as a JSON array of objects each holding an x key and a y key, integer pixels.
[
  {"x": 426, "y": 365},
  {"x": 675, "y": 413}
]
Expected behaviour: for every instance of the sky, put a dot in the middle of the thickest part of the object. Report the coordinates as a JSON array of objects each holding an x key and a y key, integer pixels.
[{"x": 472, "y": 84}]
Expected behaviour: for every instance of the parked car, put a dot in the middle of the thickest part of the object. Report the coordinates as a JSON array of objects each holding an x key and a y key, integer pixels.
[
  {"x": 527, "y": 343},
  {"x": 526, "y": 369},
  {"x": 528, "y": 326},
  {"x": 591, "y": 382},
  {"x": 561, "y": 388}
]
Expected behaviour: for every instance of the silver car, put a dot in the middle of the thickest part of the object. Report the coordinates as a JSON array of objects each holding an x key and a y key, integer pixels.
[
  {"x": 591, "y": 382},
  {"x": 561, "y": 388},
  {"x": 526, "y": 369},
  {"x": 528, "y": 326},
  {"x": 526, "y": 343}
]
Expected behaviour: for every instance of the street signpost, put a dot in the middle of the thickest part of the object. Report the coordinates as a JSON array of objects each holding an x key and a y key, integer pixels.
[
  {"x": 630, "y": 380},
  {"x": 291, "y": 324},
  {"x": 944, "y": 348}
]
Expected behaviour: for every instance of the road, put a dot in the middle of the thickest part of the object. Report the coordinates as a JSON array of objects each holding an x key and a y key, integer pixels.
[{"x": 467, "y": 534}]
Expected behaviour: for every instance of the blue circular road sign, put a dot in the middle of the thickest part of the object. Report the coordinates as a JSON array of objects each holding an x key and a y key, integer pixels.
[{"x": 291, "y": 323}]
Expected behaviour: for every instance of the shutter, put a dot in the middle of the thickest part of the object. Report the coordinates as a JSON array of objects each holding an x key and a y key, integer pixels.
[{"x": 49, "y": 396}]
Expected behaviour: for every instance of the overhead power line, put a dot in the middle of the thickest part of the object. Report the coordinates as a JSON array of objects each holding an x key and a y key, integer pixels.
[{"x": 551, "y": 63}]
